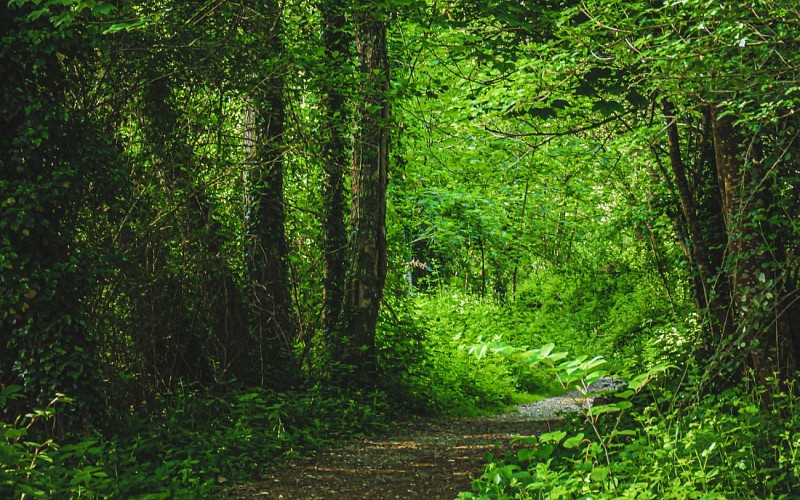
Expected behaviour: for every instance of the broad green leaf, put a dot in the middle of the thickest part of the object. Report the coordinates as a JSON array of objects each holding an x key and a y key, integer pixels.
[
  {"x": 574, "y": 441},
  {"x": 525, "y": 454},
  {"x": 599, "y": 474},
  {"x": 609, "y": 408},
  {"x": 554, "y": 436}
]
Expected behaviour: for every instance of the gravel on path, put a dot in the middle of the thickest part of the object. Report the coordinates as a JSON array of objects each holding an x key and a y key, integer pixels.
[{"x": 426, "y": 458}]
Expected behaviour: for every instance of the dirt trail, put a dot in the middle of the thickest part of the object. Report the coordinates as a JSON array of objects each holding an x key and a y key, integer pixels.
[{"x": 431, "y": 459}]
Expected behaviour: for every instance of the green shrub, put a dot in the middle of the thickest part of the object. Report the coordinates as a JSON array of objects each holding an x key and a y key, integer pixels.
[
  {"x": 647, "y": 442},
  {"x": 446, "y": 379},
  {"x": 197, "y": 442},
  {"x": 591, "y": 312},
  {"x": 24, "y": 457}
]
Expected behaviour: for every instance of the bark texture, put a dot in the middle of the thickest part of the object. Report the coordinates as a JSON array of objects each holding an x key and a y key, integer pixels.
[
  {"x": 367, "y": 247},
  {"x": 335, "y": 160},
  {"x": 746, "y": 200}
]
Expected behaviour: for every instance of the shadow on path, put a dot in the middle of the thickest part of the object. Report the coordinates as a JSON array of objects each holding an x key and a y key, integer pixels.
[{"x": 431, "y": 459}]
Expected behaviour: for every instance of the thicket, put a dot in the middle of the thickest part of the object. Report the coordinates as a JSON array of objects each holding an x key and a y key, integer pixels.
[
  {"x": 194, "y": 443},
  {"x": 663, "y": 435}
]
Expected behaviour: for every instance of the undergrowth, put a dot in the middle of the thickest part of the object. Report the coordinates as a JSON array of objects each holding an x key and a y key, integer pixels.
[
  {"x": 199, "y": 443},
  {"x": 653, "y": 439},
  {"x": 441, "y": 377},
  {"x": 583, "y": 313}
]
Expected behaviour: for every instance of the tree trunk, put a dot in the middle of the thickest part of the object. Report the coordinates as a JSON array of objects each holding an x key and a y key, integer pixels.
[
  {"x": 707, "y": 283},
  {"x": 483, "y": 267},
  {"x": 267, "y": 250},
  {"x": 518, "y": 251},
  {"x": 337, "y": 52},
  {"x": 367, "y": 246},
  {"x": 745, "y": 199}
]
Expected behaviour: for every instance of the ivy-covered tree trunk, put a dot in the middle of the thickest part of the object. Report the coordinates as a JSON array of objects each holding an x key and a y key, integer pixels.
[
  {"x": 48, "y": 152},
  {"x": 367, "y": 246},
  {"x": 267, "y": 249},
  {"x": 750, "y": 262},
  {"x": 337, "y": 53}
]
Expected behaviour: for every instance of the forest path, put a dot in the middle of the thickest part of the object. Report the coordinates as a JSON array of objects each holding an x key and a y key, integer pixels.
[{"x": 428, "y": 458}]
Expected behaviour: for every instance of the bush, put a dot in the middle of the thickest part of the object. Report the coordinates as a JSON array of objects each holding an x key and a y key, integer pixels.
[
  {"x": 197, "y": 442},
  {"x": 645, "y": 444},
  {"x": 445, "y": 378}
]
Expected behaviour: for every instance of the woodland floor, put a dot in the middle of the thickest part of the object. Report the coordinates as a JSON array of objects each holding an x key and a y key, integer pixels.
[{"x": 428, "y": 458}]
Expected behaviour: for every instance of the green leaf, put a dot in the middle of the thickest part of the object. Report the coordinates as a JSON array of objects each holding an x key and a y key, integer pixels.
[
  {"x": 541, "y": 113},
  {"x": 525, "y": 454},
  {"x": 609, "y": 408},
  {"x": 545, "y": 451},
  {"x": 546, "y": 349},
  {"x": 127, "y": 26},
  {"x": 594, "y": 376},
  {"x": 36, "y": 14},
  {"x": 13, "y": 433},
  {"x": 554, "y": 436},
  {"x": 636, "y": 99},
  {"x": 574, "y": 441},
  {"x": 608, "y": 108},
  {"x": 529, "y": 440},
  {"x": 599, "y": 474}
]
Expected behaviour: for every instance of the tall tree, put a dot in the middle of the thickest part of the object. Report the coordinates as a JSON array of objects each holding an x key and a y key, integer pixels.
[
  {"x": 748, "y": 209},
  {"x": 366, "y": 271},
  {"x": 265, "y": 233},
  {"x": 334, "y": 156}
]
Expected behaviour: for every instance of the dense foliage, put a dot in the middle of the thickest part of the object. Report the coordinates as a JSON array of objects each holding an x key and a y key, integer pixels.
[
  {"x": 646, "y": 441},
  {"x": 194, "y": 444},
  {"x": 235, "y": 230}
]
